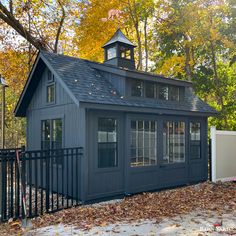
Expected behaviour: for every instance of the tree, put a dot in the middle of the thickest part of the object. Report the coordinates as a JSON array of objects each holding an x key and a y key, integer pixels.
[
  {"x": 139, "y": 12},
  {"x": 41, "y": 23},
  {"x": 92, "y": 32},
  {"x": 13, "y": 66}
]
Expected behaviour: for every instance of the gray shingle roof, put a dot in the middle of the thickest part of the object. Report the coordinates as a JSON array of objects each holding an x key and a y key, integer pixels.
[
  {"x": 118, "y": 37},
  {"x": 88, "y": 85}
]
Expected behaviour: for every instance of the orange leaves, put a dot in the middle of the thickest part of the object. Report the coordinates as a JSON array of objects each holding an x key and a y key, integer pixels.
[{"x": 155, "y": 206}]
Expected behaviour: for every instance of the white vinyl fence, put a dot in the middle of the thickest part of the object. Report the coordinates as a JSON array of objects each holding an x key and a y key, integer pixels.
[{"x": 223, "y": 151}]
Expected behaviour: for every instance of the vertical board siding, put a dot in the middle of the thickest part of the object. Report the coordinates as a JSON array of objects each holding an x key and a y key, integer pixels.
[
  {"x": 137, "y": 179},
  {"x": 63, "y": 108},
  {"x": 117, "y": 81},
  {"x": 71, "y": 116}
]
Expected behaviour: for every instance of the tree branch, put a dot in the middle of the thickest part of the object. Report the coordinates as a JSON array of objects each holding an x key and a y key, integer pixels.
[{"x": 9, "y": 18}]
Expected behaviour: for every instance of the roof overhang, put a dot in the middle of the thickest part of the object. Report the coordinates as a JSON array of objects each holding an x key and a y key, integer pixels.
[
  {"x": 126, "y": 108},
  {"x": 29, "y": 88}
]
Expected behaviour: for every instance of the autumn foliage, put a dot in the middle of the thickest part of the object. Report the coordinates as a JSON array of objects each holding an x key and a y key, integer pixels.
[{"x": 189, "y": 40}]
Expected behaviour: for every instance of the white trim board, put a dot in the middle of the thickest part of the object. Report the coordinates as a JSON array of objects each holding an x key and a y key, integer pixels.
[
  {"x": 227, "y": 179},
  {"x": 225, "y": 132}
]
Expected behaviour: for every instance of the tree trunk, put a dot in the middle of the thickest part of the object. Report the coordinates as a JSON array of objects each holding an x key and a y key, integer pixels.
[
  {"x": 187, "y": 63},
  {"x": 213, "y": 57},
  {"x": 187, "y": 50},
  {"x": 140, "y": 56},
  {"x": 11, "y": 6},
  {"x": 60, "y": 27},
  {"x": 145, "y": 44},
  {"x": 133, "y": 14}
]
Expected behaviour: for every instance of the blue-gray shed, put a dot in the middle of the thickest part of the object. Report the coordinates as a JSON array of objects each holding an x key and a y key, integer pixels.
[{"x": 140, "y": 131}]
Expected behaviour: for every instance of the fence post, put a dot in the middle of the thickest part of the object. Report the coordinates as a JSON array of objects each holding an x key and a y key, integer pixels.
[
  {"x": 210, "y": 160},
  {"x": 23, "y": 179},
  {"x": 47, "y": 157},
  {"x": 1, "y": 183},
  {"x": 3, "y": 189},
  {"x": 213, "y": 153}
]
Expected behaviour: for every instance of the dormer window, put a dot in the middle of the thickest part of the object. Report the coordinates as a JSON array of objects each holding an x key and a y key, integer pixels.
[
  {"x": 125, "y": 52},
  {"x": 111, "y": 53},
  {"x": 137, "y": 88},
  {"x": 163, "y": 92},
  {"x": 174, "y": 93},
  {"x": 149, "y": 89}
]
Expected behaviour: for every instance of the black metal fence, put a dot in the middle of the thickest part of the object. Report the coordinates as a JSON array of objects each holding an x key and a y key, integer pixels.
[{"x": 38, "y": 181}]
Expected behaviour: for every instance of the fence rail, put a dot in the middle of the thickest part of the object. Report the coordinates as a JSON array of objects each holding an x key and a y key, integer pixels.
[{"x": 48, "y": 180}]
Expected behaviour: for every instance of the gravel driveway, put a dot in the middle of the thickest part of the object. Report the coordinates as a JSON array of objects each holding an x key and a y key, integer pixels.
[{"x": 197, "y": 223}]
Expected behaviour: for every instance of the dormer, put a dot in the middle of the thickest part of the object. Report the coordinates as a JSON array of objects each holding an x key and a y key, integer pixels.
[{"x": 119, "y": 51}]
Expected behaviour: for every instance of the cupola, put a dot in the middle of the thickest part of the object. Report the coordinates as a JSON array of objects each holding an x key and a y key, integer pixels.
[{"x": 119, "y": 51}]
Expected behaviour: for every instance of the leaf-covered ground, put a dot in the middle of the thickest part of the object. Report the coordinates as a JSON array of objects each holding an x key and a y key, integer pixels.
[{"x": 220, "y": 198}]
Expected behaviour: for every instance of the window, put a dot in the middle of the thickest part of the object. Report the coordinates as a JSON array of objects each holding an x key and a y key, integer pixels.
[
  {"x": 51, "y": 134},
  {"x": 46, "y": 135},
  {"x": 51, "y": 93},
  {"x": 56, "y": 134},
  {"x": 195, "y": 140},
  {"x": 136, "y": 88},
  {"x": 143, "y": 148},
  {"x": 163, "y": 92},
  {"x": 107, "y": 143},
  {"x": 150, "y": 90},
  {"x": 50, "y": 76},
  {"x": 173, "y": 93},
  {"x": 111, "y": 53},
  {"x": 173, "y": 142},
  {"x": 125, "y": 53}
]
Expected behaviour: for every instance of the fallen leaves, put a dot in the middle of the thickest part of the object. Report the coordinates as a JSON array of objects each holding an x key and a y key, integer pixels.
[{"x": 155, "y": 206}]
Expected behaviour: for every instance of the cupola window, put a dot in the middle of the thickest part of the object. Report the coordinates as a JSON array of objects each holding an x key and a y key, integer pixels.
[
  {"x": 125, "y": 53},
  {"x": 111, "y": 53}
]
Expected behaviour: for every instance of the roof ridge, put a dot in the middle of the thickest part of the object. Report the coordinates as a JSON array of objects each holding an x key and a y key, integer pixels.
[{"x": 115, "y": 67}]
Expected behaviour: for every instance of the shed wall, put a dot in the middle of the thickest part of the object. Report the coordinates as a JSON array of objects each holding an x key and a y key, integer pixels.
[
  {"x": 126, "y": 179},
  {"x": 63, "y": 107},
  {"x": 73, "y": 125}
]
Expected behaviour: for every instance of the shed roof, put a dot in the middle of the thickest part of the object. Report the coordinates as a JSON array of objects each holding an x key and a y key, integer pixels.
[{"x": 85, "y": 84}]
